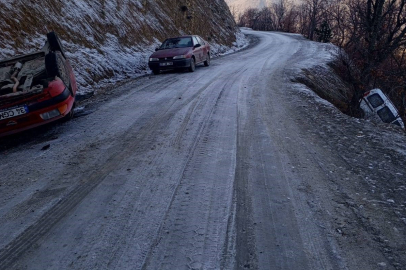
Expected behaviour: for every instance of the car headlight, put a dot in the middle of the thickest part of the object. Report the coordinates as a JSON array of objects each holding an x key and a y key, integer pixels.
[
  {"x": 179, "y": 57},
  {"x": 153, "y": 59}
]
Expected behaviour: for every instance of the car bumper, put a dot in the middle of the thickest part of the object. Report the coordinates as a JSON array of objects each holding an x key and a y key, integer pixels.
[
  {"x": 170, "y": 64},
  {"x": 63, "y": 103}
]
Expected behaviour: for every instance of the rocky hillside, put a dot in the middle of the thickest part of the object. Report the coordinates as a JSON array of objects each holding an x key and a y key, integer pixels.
[{"x": 111, "y": 39}]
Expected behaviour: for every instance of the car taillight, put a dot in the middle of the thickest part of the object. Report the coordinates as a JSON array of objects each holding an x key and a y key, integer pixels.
[
  {"x": 63, "y": 109},
  {"x": 50, "y": 114},
  {"x": 55, "y": 87}
]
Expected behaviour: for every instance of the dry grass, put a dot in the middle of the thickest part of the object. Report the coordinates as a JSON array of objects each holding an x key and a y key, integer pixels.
[{"x": 328, "y": 85}]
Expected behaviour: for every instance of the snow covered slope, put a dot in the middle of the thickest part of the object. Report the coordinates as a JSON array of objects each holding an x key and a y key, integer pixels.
[{"x": 111, "y": 39}]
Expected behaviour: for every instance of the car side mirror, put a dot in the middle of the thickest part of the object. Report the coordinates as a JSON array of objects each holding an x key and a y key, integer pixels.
[
  {"x": 156, "y": 49},
  {"x": 197, "y": 46}
]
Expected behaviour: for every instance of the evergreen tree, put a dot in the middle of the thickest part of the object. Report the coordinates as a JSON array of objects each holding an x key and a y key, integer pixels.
[{"x": 324, "y": 33}]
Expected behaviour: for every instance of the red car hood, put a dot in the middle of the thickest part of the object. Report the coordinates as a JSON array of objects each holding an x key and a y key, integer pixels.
[{"x": 171, "y": 52}]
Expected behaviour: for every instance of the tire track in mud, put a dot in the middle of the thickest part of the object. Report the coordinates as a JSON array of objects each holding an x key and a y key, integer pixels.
[
  {"x": 300, "y": 170},
  {"x": 38, "y": 199},
  {"x": 308, "y": 233},
  {"x": 27, "y": 239},
  {"x": 193, "y": 108},
  {"x": 247, "y": 133},
  {"x": 191, "y": 221},
  {"x": 196, "y": 103},
  {"x": 245, "y": 251},
  {"x": 37, "y": 230},
  {"x": 246, "y": 256},
  {"x": 266, "y": 185}
]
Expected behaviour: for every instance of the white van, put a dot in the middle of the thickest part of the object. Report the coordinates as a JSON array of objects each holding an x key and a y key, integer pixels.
[{"x": 376, "y": 103}]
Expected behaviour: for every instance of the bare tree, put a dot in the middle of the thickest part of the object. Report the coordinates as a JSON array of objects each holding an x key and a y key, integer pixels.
[
  {"x": 266, "y": 22},
  {"x": 313, "y": 12},
  {"x": 279, "y": 11},
  {"x": 338, "y": 17},
  {"x": 257, "y": 19},
  {"x": 377, "y": 32},
  {"x": 249, "y": 18}
]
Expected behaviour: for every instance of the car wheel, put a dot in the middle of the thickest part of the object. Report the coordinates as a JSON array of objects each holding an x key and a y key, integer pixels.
[
  {"x": 207, "y": 62},
  {"x": 55, "y": 43},
  {"x": 55, "y": 66},
  {"x": 192, "y": 65},
  {"x": 156, "y": 71}
]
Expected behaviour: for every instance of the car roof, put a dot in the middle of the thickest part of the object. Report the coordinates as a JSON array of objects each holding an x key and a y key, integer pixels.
[{"x": 186, "y": 36}]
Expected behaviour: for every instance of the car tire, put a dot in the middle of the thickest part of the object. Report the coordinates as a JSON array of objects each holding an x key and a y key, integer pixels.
[
  {"x": 55, "y": 43},
  {"x": 207, "y": 62},
  {"x": 55, "y": 66},
  {"x": 192, "y": 65},
  {"x": 156, "y": 71}
]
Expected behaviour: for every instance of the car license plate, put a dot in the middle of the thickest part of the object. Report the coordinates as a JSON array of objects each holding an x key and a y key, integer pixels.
[
  {"x": 13, "y": 112},
  {"x": 166, "y": 64}
]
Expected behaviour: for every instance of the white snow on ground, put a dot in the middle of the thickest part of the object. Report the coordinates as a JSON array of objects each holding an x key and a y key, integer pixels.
[
  {"x": 125, "y": 62},
  {"x": 122, "y": 62},
  {"x": 240, "y": 43},
  {"x": 325, "y": 54}
]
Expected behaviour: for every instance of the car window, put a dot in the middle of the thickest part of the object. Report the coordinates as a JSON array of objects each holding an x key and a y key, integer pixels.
[
  {"x": 201, "y": 41},
  {"x": 375, "y": 100},
  {"x": 177, "y": 43},
  {"x": 386, "y": 115},
  {"x": 195, "y": 41}
]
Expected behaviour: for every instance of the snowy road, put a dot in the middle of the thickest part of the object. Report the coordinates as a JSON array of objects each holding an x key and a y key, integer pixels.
[{"x": 223, "y": 168}]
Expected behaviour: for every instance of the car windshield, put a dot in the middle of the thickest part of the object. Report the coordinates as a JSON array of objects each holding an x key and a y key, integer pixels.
[{"x": 177, "y": 43}]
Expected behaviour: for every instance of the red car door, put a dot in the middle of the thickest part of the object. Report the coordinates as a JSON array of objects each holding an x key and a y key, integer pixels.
[
  {"x": 197, "y": 51},
  {"x": 205, "y": 48}
]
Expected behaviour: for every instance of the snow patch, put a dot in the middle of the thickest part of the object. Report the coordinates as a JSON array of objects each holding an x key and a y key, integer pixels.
[{"x": 240, "y": 43}]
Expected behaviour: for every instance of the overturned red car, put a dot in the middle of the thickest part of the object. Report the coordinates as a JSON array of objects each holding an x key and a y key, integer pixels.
[{"x": 36, "y": 88}]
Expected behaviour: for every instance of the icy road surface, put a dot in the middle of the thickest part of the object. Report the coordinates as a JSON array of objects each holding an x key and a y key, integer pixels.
[{"x": 230, "y": 167}]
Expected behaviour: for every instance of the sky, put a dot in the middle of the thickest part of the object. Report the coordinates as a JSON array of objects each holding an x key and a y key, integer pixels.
[{"x": 237, "y": 6}]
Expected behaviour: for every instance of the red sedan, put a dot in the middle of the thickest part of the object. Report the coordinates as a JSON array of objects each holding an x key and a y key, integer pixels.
[
  {"x": 36, "y": 88},
  {"x": 180, "y": 53}
]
